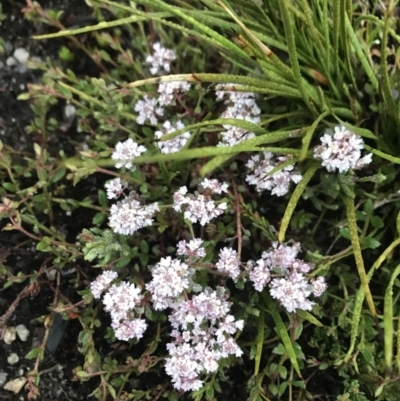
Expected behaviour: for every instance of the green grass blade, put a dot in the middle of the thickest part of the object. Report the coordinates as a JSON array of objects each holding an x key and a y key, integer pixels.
[
  {"x": 355, "y": 242},
  {"x": 221, "y": 40},
  {"x": 355, "y": 41},
  {"x": 294, "y": 199},
  {"x": 388, "y": 330},
  {"x": 97, "y": 27},
  {"x": 213, "y": 164},
  {"x": 309, "y": 317},
  {"x": 383, "y": 155},
  {"x": 259, "y": 341},
  {"x": 310, "y": 132},
  {"x": 386, "y": 90},
  {"x": 291, "y": 42},
  {"x": 281, "y": 330}
]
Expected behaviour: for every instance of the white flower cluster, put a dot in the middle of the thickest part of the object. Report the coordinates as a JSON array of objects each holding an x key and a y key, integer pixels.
[
  {"x": 168, "y": 90},
  {"x": 128, "y": 216},
  {"x": 115, "y": 188},
  {"x": 175, "y": 144},
  {"x": 241, "y": 105},
  {"x": 102, "y": 283},
  {"x": 341, "y": 150},
  {"x": 293, "y": 287},
  {"x": 160, "y": 59},
  {"x": 228, "y": 262},
  {"x": 148, "y": 110},
  {"x": 126, "y": 152},
  {"x": 202, "y": 331},
  {"x": 200, "y": 207},
  {"x": 279, "y": 182},
  {"x": 171, "y": 278},
  {"x": 122, "y": 301},
  {"x": 192, "y": 249}
]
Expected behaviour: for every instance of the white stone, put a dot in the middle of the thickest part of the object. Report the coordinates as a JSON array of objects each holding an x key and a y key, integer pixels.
[
  {"x": 22, "y": 332},
  {"x": 51, "y": 274},
  {"x": 3, "y": 378},
  {"x": 13, "y": 358},
  {"x": 10, "y": 62},
  {"x": 9, "y": 335},
  {"x": 15, "y": 385},
  {"x": 69, "y": 112},
  {"x": 21, "y": 55}
]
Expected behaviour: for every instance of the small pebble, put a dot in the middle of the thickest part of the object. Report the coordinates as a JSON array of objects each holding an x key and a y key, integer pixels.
[
  {"x": 10, "y": 62},
  {"x": 21, "y": 55},
  {"x": 10, "y": 335},
  {"x": 15, "y": 385},
  {"x": 22, "y": 332},
  {"x": 69, "y": 112},
  {"x": 3, "y": 378},
  {"x": 13, "y": 359},
  {"x": 51, "y": 274}
]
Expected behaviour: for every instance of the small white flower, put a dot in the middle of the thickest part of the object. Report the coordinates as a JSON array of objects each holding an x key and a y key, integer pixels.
[
  {"x": 203, "y": 335},
  {"x": 115, "y": 188},
  {"x": 128, "y": 216},
  {"x": 167, "y": 91},
  {"x": 200, "y": 207},
  {"x": 242, "y": 106},
  {"x": 170, "y": 279},
  {"x": 120, "y": 301},
  {"x": 214, "y": 185},
  {"x": 279, "y": 182},
  {"x": 160, "y": 59},
  {"x": 102, "y": 283},
  {"x": 319, "y": 286},
  {"x": 228, "y": 262},
  {"x": 292, "y": 293},
  {"x": 126, "y": 152},
  {"x": 148, "y": 110},
  {"x": 341, "y": 150},
  {"x": 191, "y": 249},
  {"x": 130, "y": 328},
  {"x": 175, "y": 144}
]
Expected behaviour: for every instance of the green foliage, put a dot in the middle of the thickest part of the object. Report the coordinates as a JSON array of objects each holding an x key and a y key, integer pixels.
[
  {"x": 312, "y": 65},
  {"x": 103, "y": 245}
]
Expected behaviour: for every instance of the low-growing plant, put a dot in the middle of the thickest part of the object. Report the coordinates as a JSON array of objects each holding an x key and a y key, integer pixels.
[{"x": 245, "y": 227}]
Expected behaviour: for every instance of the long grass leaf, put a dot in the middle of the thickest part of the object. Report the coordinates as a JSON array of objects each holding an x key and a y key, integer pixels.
[
  {"x": 281, "y": 330},
  {"x": 97, "y": 27},
  {"x": 294, "y": 62},
  {"x": 359, "y": 300},
  {"x": 386, "y": 90},
  {"x": 310, "y": 132},
  {"x": 355, "y": 242},
  {"x": 355, "y": 41},
  {"x": 388, "y": 330},
  {"x": 259, "y": 341},
  {"x": 308, "y": 316},
  {"x": 223, "y": 42},
  {"x": 383, "y": 155},
  {"x": 294, "y": 199},
  {"x": 213, "y": 164}
]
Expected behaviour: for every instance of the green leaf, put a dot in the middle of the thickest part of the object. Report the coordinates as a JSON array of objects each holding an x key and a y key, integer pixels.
[
  {"x": 281, "y": 330},
  {"x": 388, "y": 320},
  {"x": 308, "y": 136},
  {"x": 356, "y": 316},
  {"x": 355, "y": 242},
  {"x": 308, "y": 316},
  {"x": 259, "y": 341},
  {"x": 294, "y": 199}
]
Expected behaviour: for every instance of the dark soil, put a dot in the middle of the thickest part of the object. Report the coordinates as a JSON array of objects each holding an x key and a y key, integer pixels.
[{"x": 18, "y": 252}]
